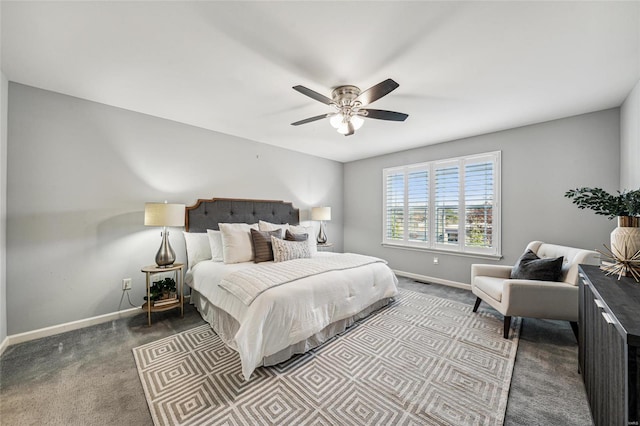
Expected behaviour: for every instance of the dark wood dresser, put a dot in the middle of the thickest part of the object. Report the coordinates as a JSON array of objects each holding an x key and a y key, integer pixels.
[{"x": 609, "y": 342}]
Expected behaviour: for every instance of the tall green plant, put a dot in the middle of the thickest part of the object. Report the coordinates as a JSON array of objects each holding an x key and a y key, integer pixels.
[{"x": 625, "y": 203}]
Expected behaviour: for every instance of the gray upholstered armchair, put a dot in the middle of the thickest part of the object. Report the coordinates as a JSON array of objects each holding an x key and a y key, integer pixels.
[{"x": 533, "y": 298}]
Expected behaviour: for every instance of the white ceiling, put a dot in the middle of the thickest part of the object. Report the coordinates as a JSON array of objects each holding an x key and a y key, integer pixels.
[{"x": 464, "y": 68}]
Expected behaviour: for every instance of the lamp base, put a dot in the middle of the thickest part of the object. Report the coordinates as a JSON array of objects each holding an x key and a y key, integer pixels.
[
  {"x": 165, "y": 256},
  {"x": 322, "y": 236}
]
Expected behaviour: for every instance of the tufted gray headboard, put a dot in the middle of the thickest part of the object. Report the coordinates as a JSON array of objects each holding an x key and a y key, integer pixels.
[{"x": 206, "y": 214}]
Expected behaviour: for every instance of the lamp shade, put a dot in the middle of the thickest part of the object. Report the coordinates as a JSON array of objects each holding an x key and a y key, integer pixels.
[
  {"x": 163, "y": 214},
  {"x": 321, "y": 213}
]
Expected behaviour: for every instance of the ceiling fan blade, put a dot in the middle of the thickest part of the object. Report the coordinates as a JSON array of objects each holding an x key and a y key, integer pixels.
[
  {"x": 311, "y": 119},
  {"x": 381, "y": 114},
  {"x": 313, "y": 94},
  {"x": 374, "y": 93}
]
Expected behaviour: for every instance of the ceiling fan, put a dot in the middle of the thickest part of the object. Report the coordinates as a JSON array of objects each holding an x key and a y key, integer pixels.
[{"x": 349, "y": 102}]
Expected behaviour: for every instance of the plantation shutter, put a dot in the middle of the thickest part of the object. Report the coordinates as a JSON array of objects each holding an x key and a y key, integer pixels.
[
  {"x": 479, "y": 189},
  {"x": 447, "y": 199},
  {"x": 418, "y": 205},
  {"x": 394, "y": 205},
  {"x": 450, "y": 205}
]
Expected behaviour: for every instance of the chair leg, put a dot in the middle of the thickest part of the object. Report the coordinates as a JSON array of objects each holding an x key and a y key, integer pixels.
[
  {"x": 507, "y": 326},
  {"x": 574, "y": 328},
  {"x": 475, "y": 307}
]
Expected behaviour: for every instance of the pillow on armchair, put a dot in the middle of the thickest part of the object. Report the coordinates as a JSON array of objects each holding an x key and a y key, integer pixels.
[{"x": 531, "y": 267}]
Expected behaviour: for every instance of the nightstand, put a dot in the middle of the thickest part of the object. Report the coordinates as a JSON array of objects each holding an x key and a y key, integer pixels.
[
  {"x": 177, "y": 269},
  {"x": 325, "y": 247}
]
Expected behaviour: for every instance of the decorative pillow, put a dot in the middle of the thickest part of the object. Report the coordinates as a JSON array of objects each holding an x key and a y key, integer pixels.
[
  {"x": 268, "y": 226},
  {"x": 531, "y": 267},
  {"x": 261, "y": 240},
  {"x": 289, "y": 250},
  {"x": 290, "y": 236},
  {"x": 236, "y": 242},
  {"x": 197, "y": 244},
  {"x": 215, "y": 245},
  {"x": 309, "y": 230}
]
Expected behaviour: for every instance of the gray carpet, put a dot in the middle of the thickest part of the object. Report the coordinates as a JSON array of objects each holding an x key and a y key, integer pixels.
[
  {"x": 89, "y": 376},
  {"x": 420, "y": 360}
]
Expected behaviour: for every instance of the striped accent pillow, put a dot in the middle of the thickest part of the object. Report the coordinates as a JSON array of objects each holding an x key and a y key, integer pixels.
[
  {"x": 261, "y": 241},
  {"x": 289, "y": 250}
]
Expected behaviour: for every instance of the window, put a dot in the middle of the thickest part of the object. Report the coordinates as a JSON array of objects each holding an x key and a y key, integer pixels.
[
  {"x": 394, "y": 209},
  {"x": 418, "y": 207},
  {"x": 451, "y": 204}
]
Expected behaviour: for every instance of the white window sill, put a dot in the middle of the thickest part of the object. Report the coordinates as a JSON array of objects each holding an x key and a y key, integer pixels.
[{"x": 444, "y": 251}]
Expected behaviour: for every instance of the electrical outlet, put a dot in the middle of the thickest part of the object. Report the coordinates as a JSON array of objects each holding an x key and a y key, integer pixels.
[
  {"x": 435, "y": 260},
  {"x": 126, "y": 284}
]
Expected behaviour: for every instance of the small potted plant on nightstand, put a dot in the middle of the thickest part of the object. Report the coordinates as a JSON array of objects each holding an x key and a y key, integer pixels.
[{"x": 162, "y": 290}]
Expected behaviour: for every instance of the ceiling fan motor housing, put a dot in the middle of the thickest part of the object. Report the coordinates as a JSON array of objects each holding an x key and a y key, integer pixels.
[{"x": 345, "y": 95}]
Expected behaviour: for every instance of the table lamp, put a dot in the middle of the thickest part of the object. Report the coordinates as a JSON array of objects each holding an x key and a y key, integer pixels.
[
  {"x": 321, "y": 214},
  {"x": 164, "y": 214}
]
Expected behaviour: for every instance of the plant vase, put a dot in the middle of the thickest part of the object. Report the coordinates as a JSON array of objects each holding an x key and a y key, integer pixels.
[
  {"x": 625, "y": 239},
  {"x": 625, "y": 245}
]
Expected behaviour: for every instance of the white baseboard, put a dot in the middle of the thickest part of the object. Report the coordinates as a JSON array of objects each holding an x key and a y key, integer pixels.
[
  {"x": 69, "y": 326},
  {"x": 425, "y": 278}
]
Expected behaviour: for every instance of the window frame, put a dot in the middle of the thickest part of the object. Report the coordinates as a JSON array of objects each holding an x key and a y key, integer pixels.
[{"x": 431, "y": 244}]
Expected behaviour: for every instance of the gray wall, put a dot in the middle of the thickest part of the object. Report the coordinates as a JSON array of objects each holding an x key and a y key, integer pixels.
[
  {"x": 539, "y": 163},
  {"x": 630, "y": 141},
  {"x": 78, "y": 177},
  {"x": 3, "y": 206}
]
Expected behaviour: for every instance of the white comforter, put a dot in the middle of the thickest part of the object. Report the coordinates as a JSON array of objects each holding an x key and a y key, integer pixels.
[
  {"x": 292, "y": 312},
  {"x": 249, "y": 283}
]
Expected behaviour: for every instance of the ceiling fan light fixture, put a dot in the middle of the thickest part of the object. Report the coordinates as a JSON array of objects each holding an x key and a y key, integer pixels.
[
  {"x": 357, "y": 122},
  {"x": 343, "y": 129},
  {"x": 346, "y": 124},
  {"x": 336, "y": 120}
]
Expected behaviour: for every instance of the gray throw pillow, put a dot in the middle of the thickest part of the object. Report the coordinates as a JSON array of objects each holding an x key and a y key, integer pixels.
[
  {"x": 261, "y": 241},
  {"x": 531, "y": 267},
  {"x": 290, "y": 236}
]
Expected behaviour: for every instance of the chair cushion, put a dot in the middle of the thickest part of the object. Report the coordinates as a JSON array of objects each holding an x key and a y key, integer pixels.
[
  {"x": 531, "y": 267},
  {"x": 490, "y": 285}
]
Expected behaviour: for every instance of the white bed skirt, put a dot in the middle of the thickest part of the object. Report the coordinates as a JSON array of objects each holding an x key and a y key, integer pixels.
[{"x": 226, "y": 328}]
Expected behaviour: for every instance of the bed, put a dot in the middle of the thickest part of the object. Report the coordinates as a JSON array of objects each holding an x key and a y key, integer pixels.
[{"x": 271, "y": 310}]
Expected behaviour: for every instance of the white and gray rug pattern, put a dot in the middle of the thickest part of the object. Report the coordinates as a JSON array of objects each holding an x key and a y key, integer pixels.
[{"x": 422, "y": 360}]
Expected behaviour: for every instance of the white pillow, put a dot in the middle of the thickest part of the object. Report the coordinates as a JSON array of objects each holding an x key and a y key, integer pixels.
[
  {"x": 215, "y": 243},
  {"x": 198, "y": 249},
  {"x": 236, "y": 242},
  {"x": 308, "y": 229},
  {"x": 267, "y": 226},
  {"x": 288, "y": 250}
]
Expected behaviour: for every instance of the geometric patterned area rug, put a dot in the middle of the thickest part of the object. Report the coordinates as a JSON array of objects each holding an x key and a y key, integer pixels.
[{"x": 421, "y": 360}]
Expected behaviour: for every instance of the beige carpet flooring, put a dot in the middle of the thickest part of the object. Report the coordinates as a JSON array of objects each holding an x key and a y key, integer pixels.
[{"x": 89, "y": 376}]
